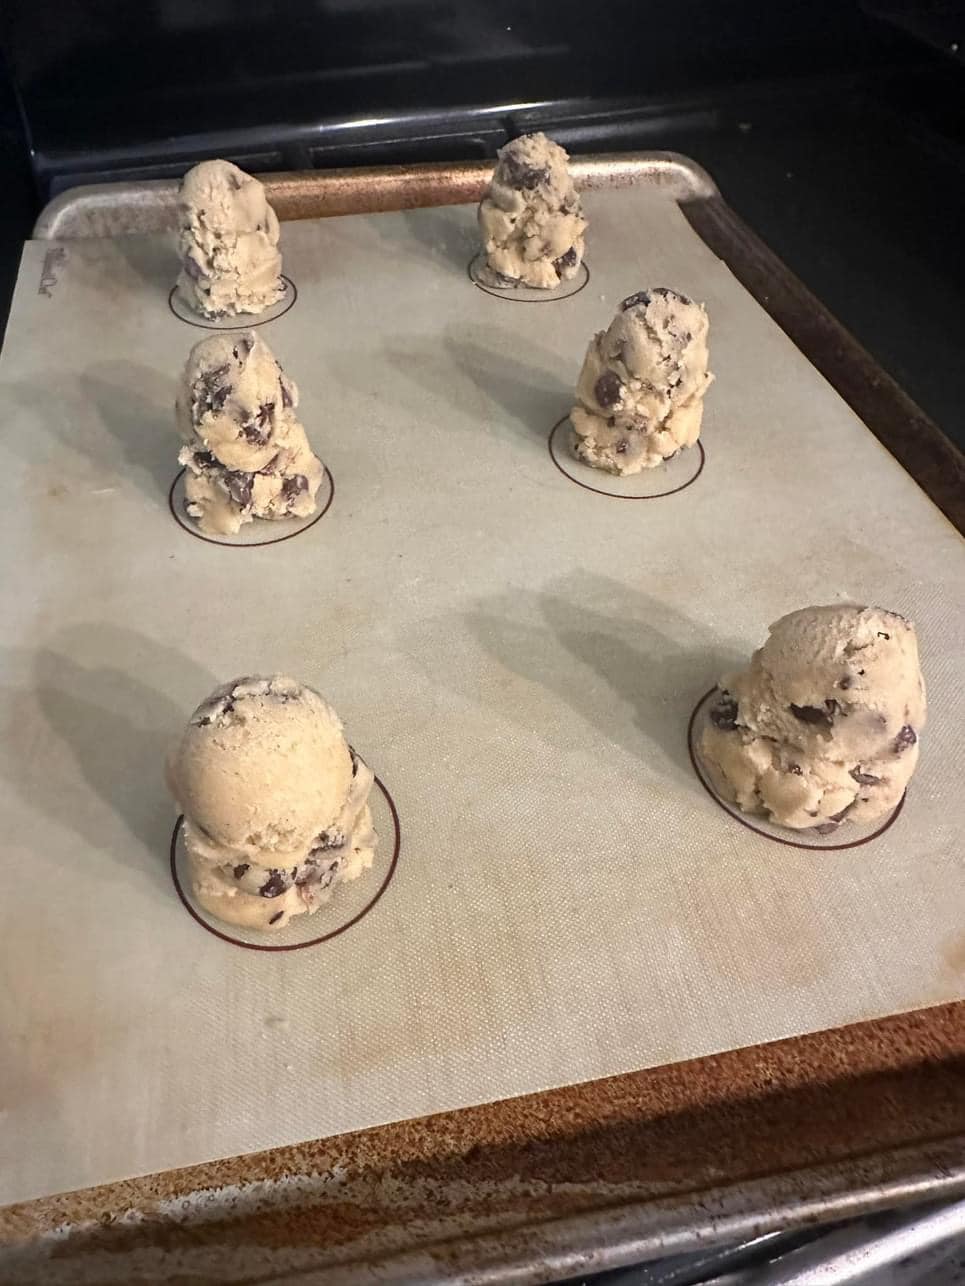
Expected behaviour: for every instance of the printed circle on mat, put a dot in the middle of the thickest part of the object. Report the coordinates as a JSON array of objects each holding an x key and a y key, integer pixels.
[
  {"x": 525, "y": 294},
  {"x": 349, "y": 903},
  {"x": 262, "y": 531},
  {"x": 240, "y": 321},
  {"x": 668, "y": 478},
  {"x": 845, "y": 835}
]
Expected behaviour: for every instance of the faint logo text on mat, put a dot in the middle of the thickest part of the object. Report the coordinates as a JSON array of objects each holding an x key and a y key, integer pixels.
[{"x": 53, "y": 260}]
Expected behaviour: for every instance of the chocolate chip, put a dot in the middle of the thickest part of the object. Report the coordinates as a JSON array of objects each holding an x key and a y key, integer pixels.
[
  {"x": 204, "y": 460},
  {"x": 565, "y": 261},
  {"x": 286, "y": 397},
  {"x": 294, "y": 486},
  {"x": 253, "y": 434},
  {"x": 906, "y": 737},
  {"x": 607, "y": 389},
  {"x": 823, "y": 715},
  {"x": 796, "y": 769},
  {"x": 631, "y": 301},
  {"x": 883, "y": 635},
  {"x": 274, "y": 886},
  {"x": 209, "y": 391},
  {"x": 621, "y": 446},
  {"x": 276, "y": 917},
  {"x": 520, "y": 175},
  {"x": 864, "y": 778},
  {"x": 331, "y": 838},
  {"x": 239, "y": 486},
  {"x": 724, "y": 713},
  {"x": 666, "y": 293},
  {"x": 240, "y": 869},
  {"x": 234, "y": 181}
]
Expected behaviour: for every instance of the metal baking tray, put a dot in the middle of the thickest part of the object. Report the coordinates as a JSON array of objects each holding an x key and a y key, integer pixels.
[{"x": 535, "y": 1188}]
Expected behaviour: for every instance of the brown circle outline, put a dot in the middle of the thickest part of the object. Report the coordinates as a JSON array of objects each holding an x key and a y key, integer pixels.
[
  {"x": 507, "y": 292},
  {"x": 275, "y": 540},
  {"x": 249, "y": 325},
  {"x": 291, "y": 946},
  {"x": 612, "y": 494},
  {"x": 789, "y": 843}
]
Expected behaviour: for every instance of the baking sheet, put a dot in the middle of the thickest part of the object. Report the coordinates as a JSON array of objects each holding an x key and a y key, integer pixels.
[{"x": 516, "y": 657}]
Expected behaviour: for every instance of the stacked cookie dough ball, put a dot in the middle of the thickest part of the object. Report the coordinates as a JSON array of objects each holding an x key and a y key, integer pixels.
[{"x": 820, "y": 729}]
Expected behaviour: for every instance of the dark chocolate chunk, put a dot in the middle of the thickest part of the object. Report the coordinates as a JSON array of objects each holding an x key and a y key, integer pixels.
[
  {"x": 240, "y": 869},
  {"x": 565, "y": 261},
  {"x": 210, "y": 394},
  {"x": 724, "y": 713},
  {"x": 239, "y": 486},
  {"x": 294, "y": 486},
  {"x": 883, "y": 635},
  {"x": 666, "y": 293},
  {"x": 864, "y": 778},
  {"x": 631, "y": 301},
  {"x": 286, "y": 397},
  {"x": 253, "y": 434},
  {"x": 818, "y": 715},
  {"x": 796, "y": 769},
  {"x": 621, "y": 446},
  {"x": 204, "y": 460},
  {"x": 520, "y": 175},
  {"x": 276, "y": 917},
  {"x": 906, "y": 737},
  {"x": 331, "y": 838},
  {"x": 274, "y": 886},
  {"x": 607, "y": 389}
]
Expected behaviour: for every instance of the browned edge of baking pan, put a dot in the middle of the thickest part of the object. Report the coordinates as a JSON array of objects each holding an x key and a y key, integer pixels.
[{"x": 533, "y": 1188}]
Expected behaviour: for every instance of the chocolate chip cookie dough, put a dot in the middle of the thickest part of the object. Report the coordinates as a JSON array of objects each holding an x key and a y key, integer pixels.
[
  {"x": 275, "y": 802},
  {"x": 245, "y": 452},
  {"x": 640, "y": 395},
  {"x": 823, "y": 726},
  {"x": 530, "y": 218},
  {"x": 228, "y": 241}
]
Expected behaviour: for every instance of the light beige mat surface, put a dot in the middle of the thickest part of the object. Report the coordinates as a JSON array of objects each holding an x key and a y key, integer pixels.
[{"x": 517, "y": 658}]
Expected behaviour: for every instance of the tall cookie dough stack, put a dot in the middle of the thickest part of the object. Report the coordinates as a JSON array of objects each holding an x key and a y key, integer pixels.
[
  {"x": 823, "y": 725},
  {"x": 228, "y": 241},
  {"x": 245, "y": 452},
  {"x": 275, "y": 802},
  {"x": 640, "y": 395},
  {"x": 531, "y": 220}
]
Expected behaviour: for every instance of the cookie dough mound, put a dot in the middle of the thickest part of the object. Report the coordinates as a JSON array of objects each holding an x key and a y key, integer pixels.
[
  {"x": 245, "y": 452},
  {"x": 640, "y": 395},
  {"x": 531, "y": 220},
  {"x": 228, "y": 242},
  {"x": 275, "y": 802},
  {"x": 823, "y": 726}
]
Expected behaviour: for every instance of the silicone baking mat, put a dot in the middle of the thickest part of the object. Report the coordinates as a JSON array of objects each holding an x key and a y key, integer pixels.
[{"x": 515, "y": 655}]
